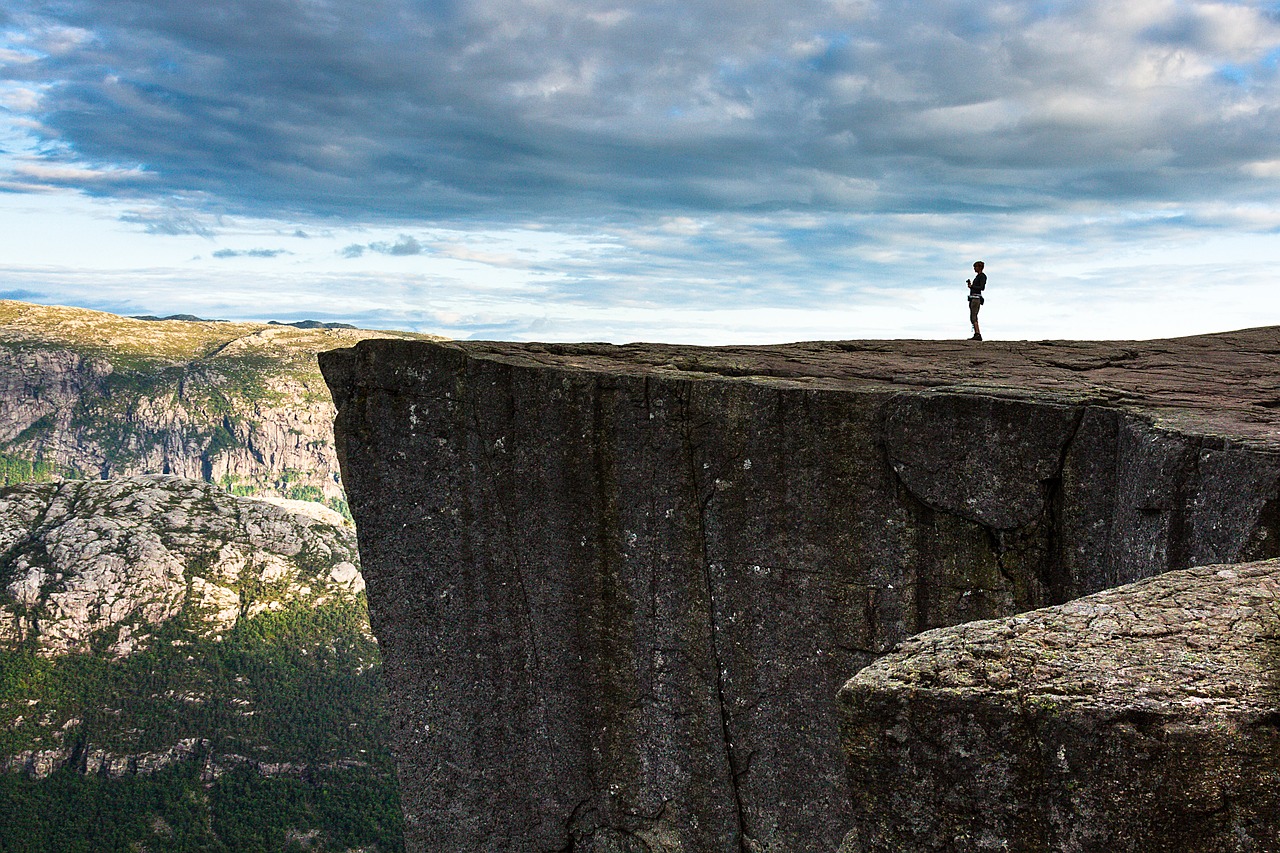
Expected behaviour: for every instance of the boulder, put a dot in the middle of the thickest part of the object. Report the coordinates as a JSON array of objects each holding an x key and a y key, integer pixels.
[{"x": 1143, "y": 718}]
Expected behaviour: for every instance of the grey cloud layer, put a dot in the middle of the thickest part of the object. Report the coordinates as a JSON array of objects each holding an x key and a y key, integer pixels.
[
  {"x": 404, "y": 245},
  {"x": 502, "y": 109}
]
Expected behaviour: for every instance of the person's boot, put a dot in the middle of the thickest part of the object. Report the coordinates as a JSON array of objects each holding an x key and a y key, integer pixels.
[{"x": 976, "y": 337}]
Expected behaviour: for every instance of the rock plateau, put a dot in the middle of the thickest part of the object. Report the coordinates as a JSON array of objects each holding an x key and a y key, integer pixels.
[
  {"x": 98, "y": 564},
  {"x": 618, "y": 588}
]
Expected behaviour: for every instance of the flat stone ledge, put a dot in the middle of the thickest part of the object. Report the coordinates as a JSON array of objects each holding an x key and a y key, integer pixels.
[
  {"x": 1143, "y": 718},
  {"x": 1222, "y": 385}
]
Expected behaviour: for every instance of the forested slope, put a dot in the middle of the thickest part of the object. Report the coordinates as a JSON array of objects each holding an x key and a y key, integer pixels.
[{"x": 243, "y": 405}]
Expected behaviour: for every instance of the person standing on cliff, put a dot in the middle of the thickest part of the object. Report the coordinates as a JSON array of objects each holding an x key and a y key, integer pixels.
[{"x": 977, "y": 284}]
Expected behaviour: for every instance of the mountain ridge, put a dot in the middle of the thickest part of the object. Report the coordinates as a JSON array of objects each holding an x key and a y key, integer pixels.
[{"x": 89, "y": 394}]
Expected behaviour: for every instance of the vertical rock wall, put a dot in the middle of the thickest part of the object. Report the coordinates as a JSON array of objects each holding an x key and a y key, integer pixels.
[{"x": 616, "y": 605}]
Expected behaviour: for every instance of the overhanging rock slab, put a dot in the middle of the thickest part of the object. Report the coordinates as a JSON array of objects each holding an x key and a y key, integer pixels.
[{"x": 618, "y": 588}]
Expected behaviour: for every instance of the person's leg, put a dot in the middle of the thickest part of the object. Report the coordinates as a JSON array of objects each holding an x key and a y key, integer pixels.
[{"x": 974, "y": 306}]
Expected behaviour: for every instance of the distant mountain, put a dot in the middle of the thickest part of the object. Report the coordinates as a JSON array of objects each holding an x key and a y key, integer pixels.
[
  {"x": 242, "y": 405},
  {"x": 312, "y": 324},
  {"x": 191, "y": 317}
]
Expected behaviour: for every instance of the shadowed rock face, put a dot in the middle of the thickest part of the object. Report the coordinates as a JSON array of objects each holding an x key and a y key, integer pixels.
[{"x": 618, "y": 588}]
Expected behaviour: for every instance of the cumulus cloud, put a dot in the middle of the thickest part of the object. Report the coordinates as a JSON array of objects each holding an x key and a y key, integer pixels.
[
  {"x": 506, "y": 108},
  {"x": 403, "y": 245},
  {"x": 552, "y": 169},
  {"x": 250, "y": 253}
]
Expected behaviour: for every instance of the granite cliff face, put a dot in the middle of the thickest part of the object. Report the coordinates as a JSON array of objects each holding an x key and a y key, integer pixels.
[
  {"x": 243, "y": 405},
  {"x": 618, "y": 588}
]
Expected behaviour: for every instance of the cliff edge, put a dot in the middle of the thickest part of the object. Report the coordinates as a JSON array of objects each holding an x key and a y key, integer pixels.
[{"x": 618, "y": 588}]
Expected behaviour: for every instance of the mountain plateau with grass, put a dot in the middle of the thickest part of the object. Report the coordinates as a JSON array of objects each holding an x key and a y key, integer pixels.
[{"x": 242, "y": 405}]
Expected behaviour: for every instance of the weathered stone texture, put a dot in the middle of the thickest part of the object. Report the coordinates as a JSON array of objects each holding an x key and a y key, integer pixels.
[
  {"x": 1144, "y": 718},
  {"x": 168, "y": 567},
  {"x": 617, "y": 588}
]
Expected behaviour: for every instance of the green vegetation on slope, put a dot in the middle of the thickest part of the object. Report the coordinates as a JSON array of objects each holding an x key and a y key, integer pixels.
[
  {"x": 176, "y": 811},
  {"x": 14, "y": 469},
  {"x": 298, "y": 687},
  {"x": 286, "y": 710},
  {"x": 286, "y": 686},
  {"x": 112, "y": 396},
  {"x": 286, "y": 485}
]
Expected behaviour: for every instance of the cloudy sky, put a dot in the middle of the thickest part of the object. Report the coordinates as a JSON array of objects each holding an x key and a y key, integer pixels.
[{"x": 705, "y": 171}]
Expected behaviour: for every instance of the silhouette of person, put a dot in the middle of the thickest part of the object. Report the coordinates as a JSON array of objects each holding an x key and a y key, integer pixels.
[{"x": 977, "y": 284}]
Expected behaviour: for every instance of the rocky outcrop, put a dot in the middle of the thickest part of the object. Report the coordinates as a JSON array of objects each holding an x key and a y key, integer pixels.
[
  {"x": 618, "y": 588},
  {"x": 43, "y": 763},
  {"x": 99, "y": 565},
  {"x": 243, "y": 405},
  {"x": 1145, "y": 718}
]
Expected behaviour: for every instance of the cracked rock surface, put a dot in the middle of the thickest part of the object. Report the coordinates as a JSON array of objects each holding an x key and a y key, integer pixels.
[
  {"x": 1143, "y": 718},
  {"x": 618, "y": 588}
]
